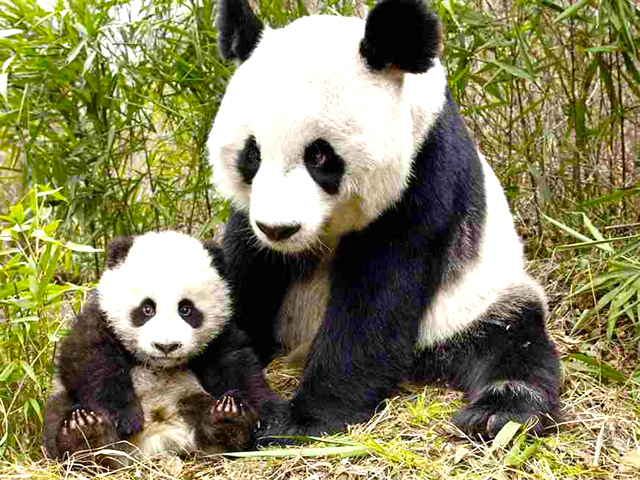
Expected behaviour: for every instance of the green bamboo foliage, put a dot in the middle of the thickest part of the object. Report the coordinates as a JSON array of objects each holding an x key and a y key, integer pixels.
[{"x": 115, "y": 111}]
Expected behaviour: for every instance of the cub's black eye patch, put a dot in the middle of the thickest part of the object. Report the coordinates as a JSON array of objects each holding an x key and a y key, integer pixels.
[
  {"x": 248, "y": 162},
  {"x": 325, "y": 166},
  {"x": 189, "y": 313},
  {"x": 143, "y": 312}
]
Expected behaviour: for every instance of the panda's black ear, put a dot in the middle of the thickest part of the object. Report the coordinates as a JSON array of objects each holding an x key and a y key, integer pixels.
[
  {"x": 401, "y": 34},
  {"x": 239, "y": 29},
  {"x": 216, "y": 254},
  {"x": 117, "y": 250}
]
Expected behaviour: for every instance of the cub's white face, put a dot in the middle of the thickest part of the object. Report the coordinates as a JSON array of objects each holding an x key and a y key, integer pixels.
[
  {"x": 165, "y": 301},
  {"x": 310, "y": 142}
]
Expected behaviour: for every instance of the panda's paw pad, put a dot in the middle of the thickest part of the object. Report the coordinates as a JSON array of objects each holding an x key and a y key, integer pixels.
[
  {"x": 82, "y": 429},
  {"x": 226, "y": 409}
]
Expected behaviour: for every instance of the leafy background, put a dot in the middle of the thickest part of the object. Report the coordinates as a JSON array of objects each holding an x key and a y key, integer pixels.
[{"x": 105, "y": 107}]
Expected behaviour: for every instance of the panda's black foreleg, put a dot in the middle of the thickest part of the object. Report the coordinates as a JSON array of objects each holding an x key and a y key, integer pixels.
[
  {"x": 507, "y": 367},
  {"x": 363, "y": 349},
  {"x": 95, "y": 370}
]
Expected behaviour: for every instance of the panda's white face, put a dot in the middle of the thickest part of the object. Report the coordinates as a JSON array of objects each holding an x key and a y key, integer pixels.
[
  {"x": 165, "y": 301},
  {"x": 310, "y": 142}
]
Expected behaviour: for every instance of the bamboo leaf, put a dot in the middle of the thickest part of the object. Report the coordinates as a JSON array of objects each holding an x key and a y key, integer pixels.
[
  {"x": 567, "y": 229},
  {"x": 598, "y": 368},
  {"x": 596, "y": 233},
  {"x": 76, "y": 51},
  {"x": 343, "y": 451},
  {"x": 512, "y": 69},
  {"x": 77, "y": 247},
  {"x": 571, "y": 11},
  {"x": 505, "y": 435}
]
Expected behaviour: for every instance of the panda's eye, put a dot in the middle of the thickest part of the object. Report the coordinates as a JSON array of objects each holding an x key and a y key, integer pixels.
[
  {"x": 249, "y": 160},
  {"x": 318, "y": 160},
  {"x": 325, "y": 166},
  {"x": 185, "y": 308},
  {"x": 144, "y": 312}
]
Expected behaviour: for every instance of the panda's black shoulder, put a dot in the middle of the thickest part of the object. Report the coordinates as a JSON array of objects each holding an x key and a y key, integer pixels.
[{"x": 89, "y": 330}]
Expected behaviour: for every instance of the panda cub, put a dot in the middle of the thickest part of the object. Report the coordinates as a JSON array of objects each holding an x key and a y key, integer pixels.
[
  {"x": 152, "y": 361},
  {"x": 378, "y": 237}
]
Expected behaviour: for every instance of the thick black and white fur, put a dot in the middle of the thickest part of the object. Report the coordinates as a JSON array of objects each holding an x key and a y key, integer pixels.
[
  {"x": 152, "y": 360},
  {"x": 373, "y": 232}
]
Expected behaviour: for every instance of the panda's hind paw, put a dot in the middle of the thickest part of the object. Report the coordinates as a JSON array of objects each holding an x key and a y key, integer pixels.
[
  {"x": 502, "y": 402},
  {"x": 82, "y": 430}
]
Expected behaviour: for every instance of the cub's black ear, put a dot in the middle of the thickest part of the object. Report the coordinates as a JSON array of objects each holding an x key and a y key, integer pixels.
[
  {"x": 217, "y": 256},
  {"x": 117, "y": 250},
  {"x": 239, "y": 29},
  {"x": 401, "y": 34}
]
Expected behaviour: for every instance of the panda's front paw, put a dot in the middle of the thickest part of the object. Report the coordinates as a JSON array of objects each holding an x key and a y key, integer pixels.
[
  {"x": 83, "y": 430},
  {"x": 502, "y": 402},
  {"x": 230, "y": 424},
  {"x": 229, "y": 410}
]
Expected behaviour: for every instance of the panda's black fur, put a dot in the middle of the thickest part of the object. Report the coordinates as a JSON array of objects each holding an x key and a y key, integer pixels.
[
  {"x": 373, "y": 232},
  {"x": 187, "y": 382}
]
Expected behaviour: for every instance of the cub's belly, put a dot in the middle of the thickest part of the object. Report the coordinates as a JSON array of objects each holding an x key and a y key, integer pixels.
[{"x": 166, "y": 430}]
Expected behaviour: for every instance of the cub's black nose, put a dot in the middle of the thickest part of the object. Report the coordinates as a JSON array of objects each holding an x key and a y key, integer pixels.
[
  {"x": 278, "y": 232},
  {"x": 166, "y": 348}
]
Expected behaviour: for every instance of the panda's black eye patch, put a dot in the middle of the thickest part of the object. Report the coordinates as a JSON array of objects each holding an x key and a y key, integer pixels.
[
  {"x": 248, "y": 162},
  {"x": 325, "y": 166},
  {"x": 143, "y": 312},
  {"x": 189, "y": 313}
]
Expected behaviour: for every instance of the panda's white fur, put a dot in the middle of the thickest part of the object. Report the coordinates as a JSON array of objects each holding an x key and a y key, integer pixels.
[
  {"x": 166, "y": 268},
  {"x": 391, "y": 253},
  {"x": 166, "y": 431},
  {"x": 499, "y": 267},
  {"x": 320, "y": 89}
]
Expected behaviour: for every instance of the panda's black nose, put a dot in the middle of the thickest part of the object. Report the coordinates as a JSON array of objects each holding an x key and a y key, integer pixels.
[
  {"x": 278, "y": 232},
  {"x": 166, "y": 348}
]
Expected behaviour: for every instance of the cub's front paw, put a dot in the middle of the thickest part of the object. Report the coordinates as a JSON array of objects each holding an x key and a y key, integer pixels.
[
  {"x": 83, "y": 430},
  {"x": 229, "y": 410},
  {"x": 230, "y": 425}
]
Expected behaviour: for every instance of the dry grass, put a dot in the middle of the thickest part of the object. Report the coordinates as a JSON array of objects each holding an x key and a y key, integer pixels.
[{"x": 411, "y": 437}]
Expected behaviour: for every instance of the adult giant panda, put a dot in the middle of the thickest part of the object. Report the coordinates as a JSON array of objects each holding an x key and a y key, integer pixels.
[
  {"x": 367, "y": 226},
  {"x": 152, "y": 360}
]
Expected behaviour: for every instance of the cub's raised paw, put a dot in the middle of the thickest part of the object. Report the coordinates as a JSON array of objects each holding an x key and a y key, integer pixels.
[
  {"x": 82, "y": 430},
  {"x": 228, "y": 409},
  {"x": 231, "y": 425}
]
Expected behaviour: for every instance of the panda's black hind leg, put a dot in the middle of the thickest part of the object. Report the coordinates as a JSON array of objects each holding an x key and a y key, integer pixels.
[{"x": 504, "y": 363}]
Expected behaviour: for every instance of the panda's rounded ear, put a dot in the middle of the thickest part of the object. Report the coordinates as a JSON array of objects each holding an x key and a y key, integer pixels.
[
  {"x": 401, "y": 34},
  {"x": 217, "y": 255},
  {"x": 117, "y": 250},
  {"x": 239, "y": 29}
]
